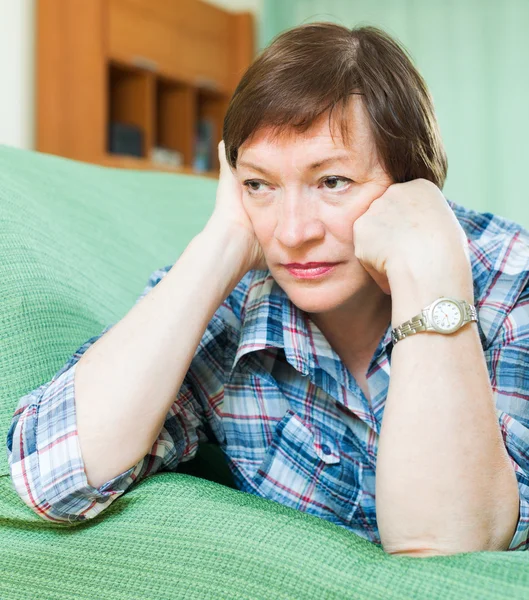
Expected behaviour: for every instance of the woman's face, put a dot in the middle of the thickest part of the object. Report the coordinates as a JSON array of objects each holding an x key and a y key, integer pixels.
[{"x": 303, "y": 214}]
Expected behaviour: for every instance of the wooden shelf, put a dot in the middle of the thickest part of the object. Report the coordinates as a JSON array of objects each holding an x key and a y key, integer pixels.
[
  {"x": 131, "y": 162},
  {"x": 157, "y": 67}
]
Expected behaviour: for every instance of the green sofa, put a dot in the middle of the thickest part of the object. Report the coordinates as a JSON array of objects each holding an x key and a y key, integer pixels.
[{"x": 77, "y": 244}]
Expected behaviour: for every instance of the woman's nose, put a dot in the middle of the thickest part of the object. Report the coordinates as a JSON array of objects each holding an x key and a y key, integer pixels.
[{"x": 297, "y": 221}]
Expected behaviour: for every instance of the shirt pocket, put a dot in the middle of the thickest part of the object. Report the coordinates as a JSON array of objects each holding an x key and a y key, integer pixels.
[{"x": 303, "y": 468}]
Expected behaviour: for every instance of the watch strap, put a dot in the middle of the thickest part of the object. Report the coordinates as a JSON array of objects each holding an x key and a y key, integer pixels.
[{"x": 421, "y": 322}]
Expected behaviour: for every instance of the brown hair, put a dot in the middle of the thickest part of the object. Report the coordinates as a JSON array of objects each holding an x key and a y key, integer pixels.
[{"x": 315, "y": 67}]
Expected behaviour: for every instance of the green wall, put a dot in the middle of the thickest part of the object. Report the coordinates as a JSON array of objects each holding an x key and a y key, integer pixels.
[{"x": 474, "y": 56}]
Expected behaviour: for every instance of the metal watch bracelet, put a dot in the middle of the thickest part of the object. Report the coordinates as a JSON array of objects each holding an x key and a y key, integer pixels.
[{"x": 420, "y": 322}]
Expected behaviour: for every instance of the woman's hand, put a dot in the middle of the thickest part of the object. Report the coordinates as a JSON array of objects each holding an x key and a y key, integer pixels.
[
  {"x": 409, "y": 228},
  {"x": 230, "y": 213}
]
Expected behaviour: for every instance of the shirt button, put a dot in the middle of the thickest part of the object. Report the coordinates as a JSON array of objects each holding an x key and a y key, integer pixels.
[{"x": 326, "y": 449}]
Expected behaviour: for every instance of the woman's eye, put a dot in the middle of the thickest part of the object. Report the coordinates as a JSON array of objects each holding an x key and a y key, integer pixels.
[
  {"x": 332, "y": 179},
  {"x": 251, "y": 182}
]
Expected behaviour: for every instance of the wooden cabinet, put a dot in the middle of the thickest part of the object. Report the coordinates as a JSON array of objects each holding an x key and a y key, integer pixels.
[
  {"x": 174, "y": 42},
  {"x": 158, "y": 65}
]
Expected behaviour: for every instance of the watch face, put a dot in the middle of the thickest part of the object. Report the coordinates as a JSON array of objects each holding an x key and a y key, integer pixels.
[{"x": 446, "y": 316}]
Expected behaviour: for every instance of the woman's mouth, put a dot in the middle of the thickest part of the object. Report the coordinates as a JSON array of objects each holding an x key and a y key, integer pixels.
[{"x": 310, "y": 270}]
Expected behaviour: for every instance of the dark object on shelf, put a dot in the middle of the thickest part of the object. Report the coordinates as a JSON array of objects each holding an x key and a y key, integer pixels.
[
  {"x": 204, "y": 145},
  {"x": 125, "y": 139}
]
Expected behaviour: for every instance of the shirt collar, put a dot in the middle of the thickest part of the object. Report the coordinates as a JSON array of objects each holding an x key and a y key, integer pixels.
[{"x": 269, "y": 319}]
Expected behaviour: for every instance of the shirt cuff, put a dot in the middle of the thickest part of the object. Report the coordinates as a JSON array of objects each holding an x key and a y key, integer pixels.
[
  {"x": 519, "y": 540},
  {"x": 61, "y": 474}
]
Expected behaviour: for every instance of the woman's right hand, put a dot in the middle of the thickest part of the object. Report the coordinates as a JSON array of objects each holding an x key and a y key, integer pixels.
[{"x": 229, "y": 212}]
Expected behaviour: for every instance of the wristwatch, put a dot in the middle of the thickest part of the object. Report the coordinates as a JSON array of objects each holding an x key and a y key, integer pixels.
[{"x": 444, "y": 315}]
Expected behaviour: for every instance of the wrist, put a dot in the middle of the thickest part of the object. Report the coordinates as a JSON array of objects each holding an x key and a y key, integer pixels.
[
  {"x": 227, "y": 246},
  {"x": 413, "y": 290}
]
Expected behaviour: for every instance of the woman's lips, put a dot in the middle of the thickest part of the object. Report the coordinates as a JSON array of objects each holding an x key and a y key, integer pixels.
[
  {"x": 309, "y": 265},
  {"x": 310, "y": 270}
]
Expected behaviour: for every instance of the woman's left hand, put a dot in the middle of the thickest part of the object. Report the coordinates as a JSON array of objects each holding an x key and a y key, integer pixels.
[{"x": 411, "y": 226}]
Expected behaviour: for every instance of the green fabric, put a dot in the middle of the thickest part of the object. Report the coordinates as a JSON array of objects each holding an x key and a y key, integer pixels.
[
  {"x": 473, "y": 55},
  {"x": 177, "y": 536},
  {"x": 78, "y": 243}
]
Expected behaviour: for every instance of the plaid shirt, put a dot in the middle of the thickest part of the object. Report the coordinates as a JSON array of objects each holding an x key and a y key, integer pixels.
[{"x": 294, "y": 425}]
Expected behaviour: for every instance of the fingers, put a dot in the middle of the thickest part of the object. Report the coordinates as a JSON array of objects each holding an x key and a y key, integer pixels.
[{"x": 222, "y": 154}]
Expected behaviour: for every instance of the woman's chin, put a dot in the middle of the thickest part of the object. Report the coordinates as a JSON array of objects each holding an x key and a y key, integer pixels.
[{"x": 317, "y": 299}]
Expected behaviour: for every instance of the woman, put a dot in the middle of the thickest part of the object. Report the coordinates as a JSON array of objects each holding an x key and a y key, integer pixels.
[{"x": 276, "y": 331}]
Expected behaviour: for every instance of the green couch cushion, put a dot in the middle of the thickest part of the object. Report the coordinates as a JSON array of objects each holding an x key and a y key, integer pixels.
[
  {"x": 176, "y": 536},
  {"x": 78, "y": 243}
]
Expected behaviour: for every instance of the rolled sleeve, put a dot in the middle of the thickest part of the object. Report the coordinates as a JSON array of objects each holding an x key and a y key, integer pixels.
[
  {"x": 44, "y": 453},
  {"x": 508, "y": 364},
  {"x": 47, "y": 469},
  {"x": 519, "y": 539}
]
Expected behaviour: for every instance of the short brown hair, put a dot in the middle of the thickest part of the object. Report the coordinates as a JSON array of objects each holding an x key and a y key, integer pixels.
[{"x": 315, "y": 67}]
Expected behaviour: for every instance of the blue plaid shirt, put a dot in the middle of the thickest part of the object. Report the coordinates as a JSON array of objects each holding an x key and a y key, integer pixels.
[{"x": 293, "y": 423}]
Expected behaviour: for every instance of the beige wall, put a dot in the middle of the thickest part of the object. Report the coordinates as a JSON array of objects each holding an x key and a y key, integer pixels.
[{"x": 17, "y": 72}]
